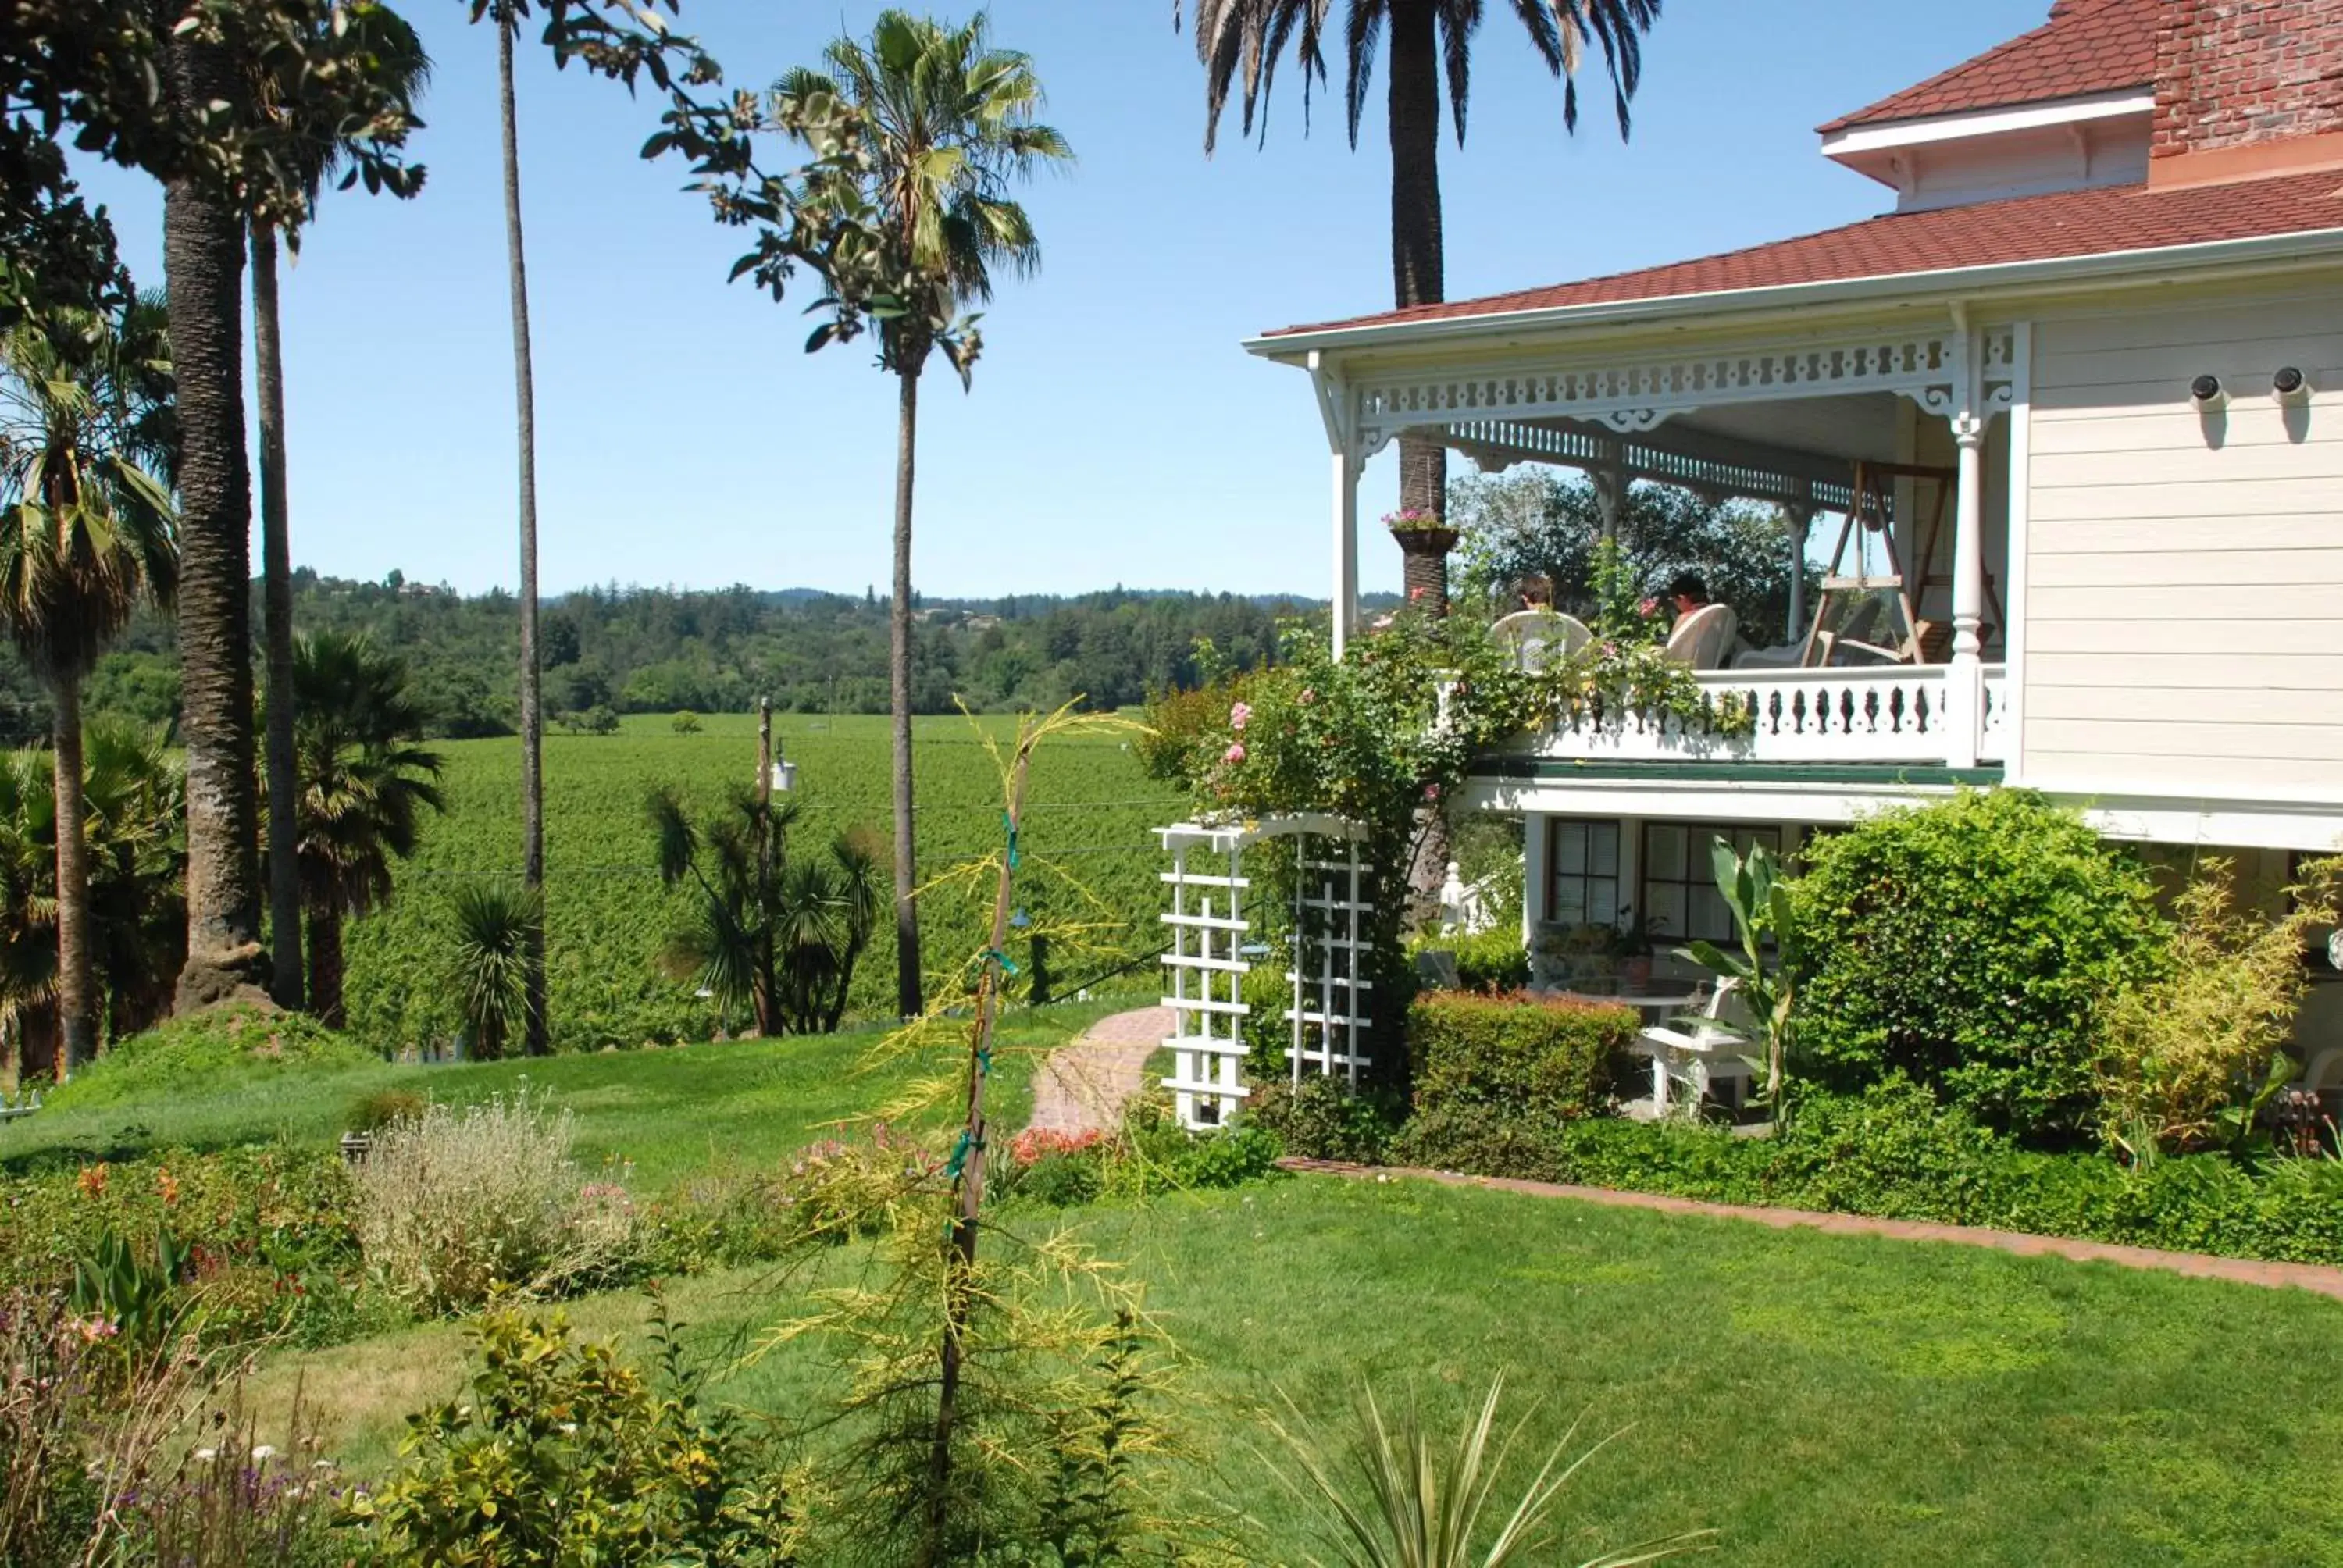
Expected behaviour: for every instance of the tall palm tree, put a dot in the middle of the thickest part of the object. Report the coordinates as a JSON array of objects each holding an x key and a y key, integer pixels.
[
  {"x": 912, "y": 213},
  {"x": 536, "y": 1039},
  {"x": 1241, "y": 42},
  {"x": 384, "y": 47},
  {"x": 86, "y": 532},
  {"x": 362, "y": 785}
]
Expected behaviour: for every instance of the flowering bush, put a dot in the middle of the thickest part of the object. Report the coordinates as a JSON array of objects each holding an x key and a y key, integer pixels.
[{"x": 451, "y": 1203}]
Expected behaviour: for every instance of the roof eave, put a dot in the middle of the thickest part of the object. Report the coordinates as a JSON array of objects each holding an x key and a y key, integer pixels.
[{"x": 1962, "y": 281}]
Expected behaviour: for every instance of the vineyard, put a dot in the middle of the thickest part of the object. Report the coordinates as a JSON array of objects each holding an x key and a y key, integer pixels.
[{"x": 1091, "y": 808}]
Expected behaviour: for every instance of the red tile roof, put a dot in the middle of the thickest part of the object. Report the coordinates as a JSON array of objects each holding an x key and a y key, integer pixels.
[
  {"x": 2025, "y": 228},
  {"x": 2086, "y": 46}
]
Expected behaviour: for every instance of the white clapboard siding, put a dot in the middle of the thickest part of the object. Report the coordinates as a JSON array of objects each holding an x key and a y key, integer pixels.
[{"x": 2184, "y": 574}]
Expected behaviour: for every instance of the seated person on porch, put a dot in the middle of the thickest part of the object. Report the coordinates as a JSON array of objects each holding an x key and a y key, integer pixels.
[
  {"x": 1535, "y": 633},
  {"x": 1705, "y": 632}
]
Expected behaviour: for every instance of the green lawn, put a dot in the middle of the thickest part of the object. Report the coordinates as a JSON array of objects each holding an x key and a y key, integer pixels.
[
  {"x": 1818, "y": 1399},
  {"x": 671, "y": 1112}
]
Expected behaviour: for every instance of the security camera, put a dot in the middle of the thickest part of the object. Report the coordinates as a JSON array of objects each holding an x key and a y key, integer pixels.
[
  {"x": 2207, "y": 393},
  {"x": 2290, "y": 385}
]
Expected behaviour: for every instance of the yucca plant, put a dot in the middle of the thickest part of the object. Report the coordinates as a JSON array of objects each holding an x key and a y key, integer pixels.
[
  {"x": 495, "y": 922},
  {"x": 1424, "y": 1500}
]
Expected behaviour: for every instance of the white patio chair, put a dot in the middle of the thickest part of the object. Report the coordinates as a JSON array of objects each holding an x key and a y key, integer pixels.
[
  {"x": 1534, "y": 636},
  {"x": 1704, "y": 638},
  {"x": 1709, "y": 1057}
]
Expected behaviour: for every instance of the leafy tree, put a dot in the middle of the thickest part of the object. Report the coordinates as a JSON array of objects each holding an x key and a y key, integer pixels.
[
  {"x": 1241, "y": 42},
  {"x": 778, "y": 935},
  {"x": 1537, "y": 522},
  {"x": 86, "y": 533},
  {"x": 918, "y": 137},
  {"x": 363, "y": 784},
  {"x": 376, "y": 41}
]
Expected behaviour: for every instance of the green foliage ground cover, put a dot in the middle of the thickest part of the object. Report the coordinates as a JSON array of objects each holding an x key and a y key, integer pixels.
[
  {"x": 607, "y": 915},
  {"x": 1817, "y": 1398},
  {"x": 229, "y": 1049}
]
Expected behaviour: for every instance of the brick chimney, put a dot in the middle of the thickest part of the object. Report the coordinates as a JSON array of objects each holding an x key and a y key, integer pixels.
[{"x": 2247, "y": 87}]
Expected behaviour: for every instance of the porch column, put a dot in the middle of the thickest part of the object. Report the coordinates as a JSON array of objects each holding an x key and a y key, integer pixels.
[
  {"x": 1610, "y": 478},
  {"x": 1345, "y": 593},
  {"x": 1800, "y": 515},
  {"x": 1965, "y": 680}
]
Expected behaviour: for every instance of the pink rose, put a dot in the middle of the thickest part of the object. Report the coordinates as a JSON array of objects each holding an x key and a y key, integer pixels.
[
  {"x": 1235, "y": 753},
  {"x": 1415, "y": 593},
  {"x": 1432, "y": 791},
  {"x": 1239, "y": 716},
  {"x": 1648, "y": 609}
]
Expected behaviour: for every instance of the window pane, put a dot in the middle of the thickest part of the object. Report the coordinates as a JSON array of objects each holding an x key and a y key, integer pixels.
[
  {"x": 1570, "y": 900},
  {"x": 1664, "y": 852},
  {"x": 1603, "y": 901},
  {"x": 1603, "y": 849},
  {"x": 1710, "y": 917},
  {"x": 1664, "y": 905},
  {"x": 1570, "y": 848}
]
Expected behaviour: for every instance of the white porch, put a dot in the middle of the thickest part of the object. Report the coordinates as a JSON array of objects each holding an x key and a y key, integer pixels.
[{"x": 1797, "y": 419}]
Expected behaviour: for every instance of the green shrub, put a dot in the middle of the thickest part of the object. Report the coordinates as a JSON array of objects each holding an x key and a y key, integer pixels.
[
  {"x": 1492, "y": 961},
  {"x": 1970, "y": 944},
  {"x": 209, "y": 1052},
  {"x": 373, "y": 1112},
  {"x": 1321, "y": 1120},
  {"x": 273, "y": 1250},
  {"x": 563, "y": 1453},
  {"x": 1552, "y": 1058}
]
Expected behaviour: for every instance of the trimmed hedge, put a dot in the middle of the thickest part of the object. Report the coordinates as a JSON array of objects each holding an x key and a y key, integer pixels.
[
  {"x": 1546, "y": 1058},
  {"x": 1891, "y": 1153}
]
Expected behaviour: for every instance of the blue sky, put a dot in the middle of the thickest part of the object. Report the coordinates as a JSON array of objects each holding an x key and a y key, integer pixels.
[{"x": 1117, "y": 433}]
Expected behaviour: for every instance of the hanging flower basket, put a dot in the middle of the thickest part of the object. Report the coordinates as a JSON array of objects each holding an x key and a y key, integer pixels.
[{"x": 1421, "y": 533}]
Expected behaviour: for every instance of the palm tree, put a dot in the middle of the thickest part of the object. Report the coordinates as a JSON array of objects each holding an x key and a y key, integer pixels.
[
  {"x": 495, "y": 924},
  {"x": 778, "y": 935},
  {"x": 86, "y": 533},
  {"x": 909, "y": 214},
  {"x": 387, "y": 49},
  {"x": 136, "y": 857},
  {"x": 364, "y": 783},
  {"x": 507, "y": 15},
  {"x": 1240, "y": 43}
]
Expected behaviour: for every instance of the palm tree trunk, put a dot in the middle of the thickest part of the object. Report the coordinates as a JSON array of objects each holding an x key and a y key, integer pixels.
[
  {"x": 532, "y": 716},
  {"x": 76, "y": 1015},
  {"x": 276, "y": 627},
  {"x": 326, "y": 968},
  {"x": 203, "y": 263},
  {"x": 898, "y": 669},
  {"x": 1417, "y": 268}
]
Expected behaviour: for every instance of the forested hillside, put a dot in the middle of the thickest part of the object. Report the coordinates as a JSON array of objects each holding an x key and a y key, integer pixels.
[{"x": 637, "y": 650}]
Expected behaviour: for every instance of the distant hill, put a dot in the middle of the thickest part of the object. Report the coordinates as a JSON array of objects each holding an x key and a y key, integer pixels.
[{"x": 656, "y": 649}]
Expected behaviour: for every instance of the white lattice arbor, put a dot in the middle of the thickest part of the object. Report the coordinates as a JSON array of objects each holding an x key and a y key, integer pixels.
[{"x": 1329, "y": 1006}]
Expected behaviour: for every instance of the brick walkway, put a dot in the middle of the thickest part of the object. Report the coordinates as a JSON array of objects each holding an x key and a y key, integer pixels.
[
  {"x": 2326, "y": 1282},
  {"x": 1085, "y": 1085}
]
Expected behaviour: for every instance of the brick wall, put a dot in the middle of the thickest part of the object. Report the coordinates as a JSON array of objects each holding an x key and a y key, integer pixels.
[{"x": 2229, "y": 73}]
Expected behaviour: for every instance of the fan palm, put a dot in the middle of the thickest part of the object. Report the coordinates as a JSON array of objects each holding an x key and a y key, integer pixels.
[
  {"x": 1240, "y": 43},
  {"x": 86, "y": 532},
  {"x": 919, "y": 134},
  {"x": 384, "y": 48},
  {"x": 137, "y": 854},
  {"x": 364, "y": 784}
]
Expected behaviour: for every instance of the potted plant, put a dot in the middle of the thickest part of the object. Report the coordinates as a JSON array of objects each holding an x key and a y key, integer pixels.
[
  {"x": 1424, "y": 539},
  {"x": 1634, "y": 948}
]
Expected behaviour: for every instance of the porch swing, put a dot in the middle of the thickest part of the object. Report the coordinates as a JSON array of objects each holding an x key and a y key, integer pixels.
[{"x": 1873, "y": 617}]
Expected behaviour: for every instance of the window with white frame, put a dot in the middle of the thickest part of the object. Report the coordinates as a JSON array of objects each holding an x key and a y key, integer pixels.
[
  {"x": 1582, "y": 872},
  {"x": 1680, "y": 898}
]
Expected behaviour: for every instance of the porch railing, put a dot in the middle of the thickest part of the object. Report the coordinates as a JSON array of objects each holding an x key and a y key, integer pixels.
[{"x": 1892, "y": 714}]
